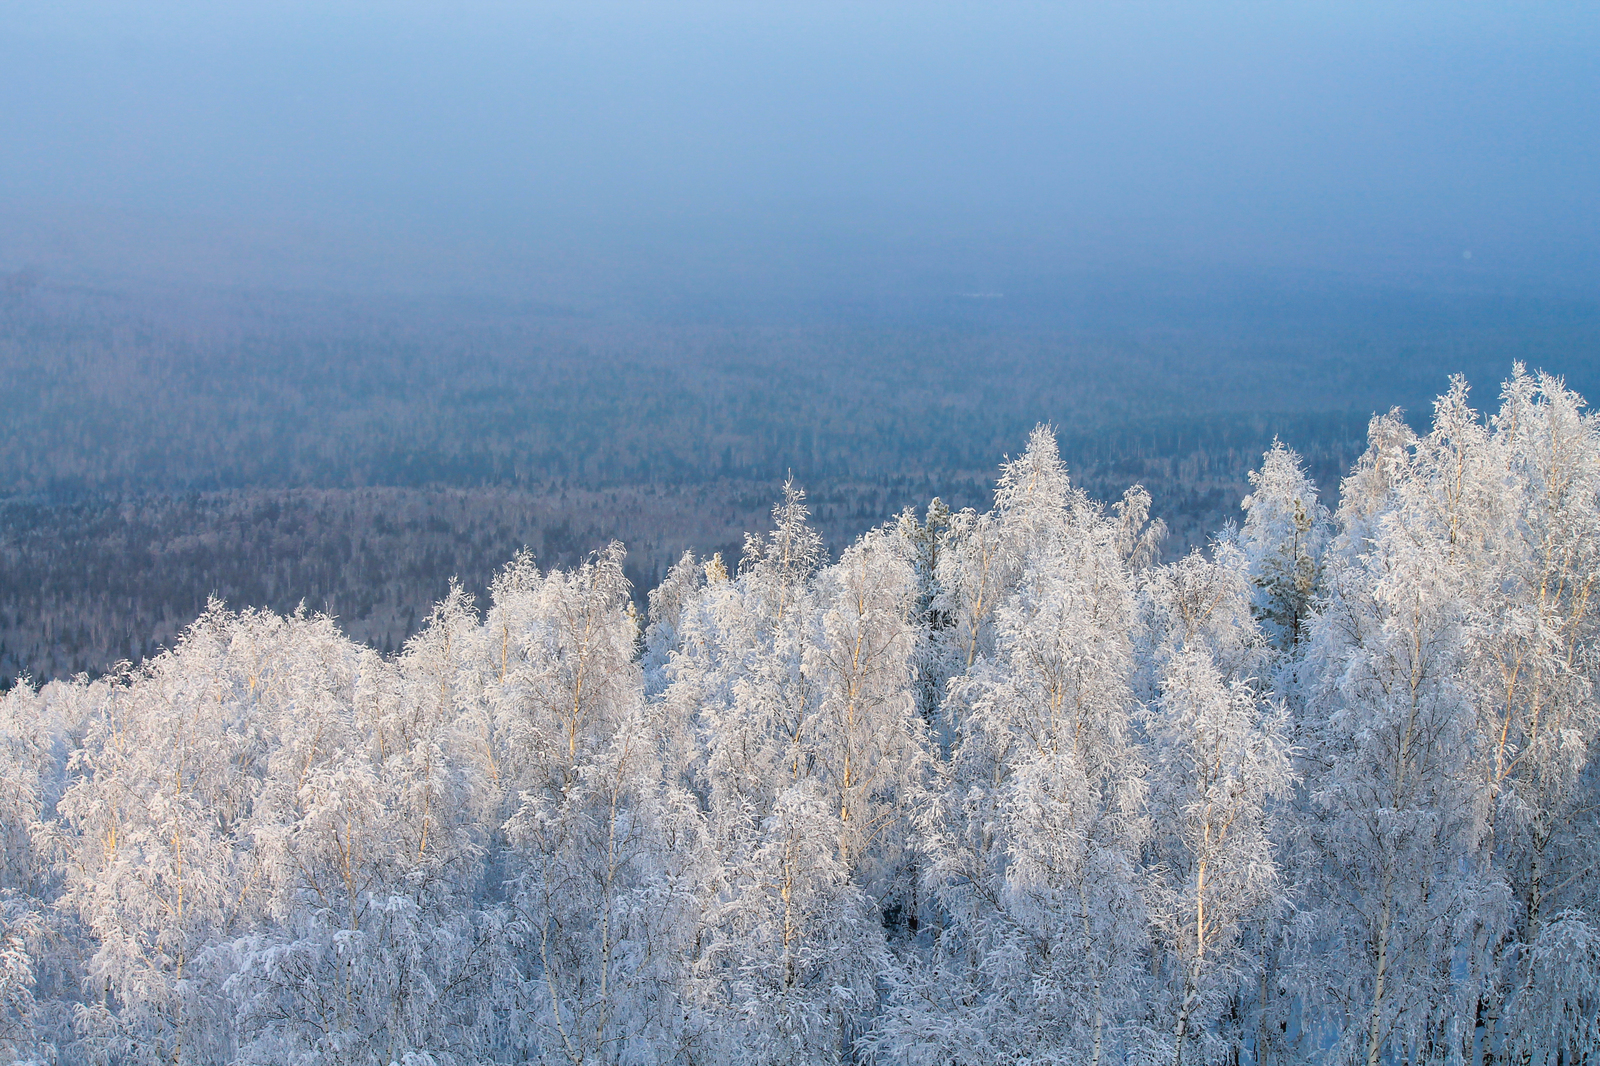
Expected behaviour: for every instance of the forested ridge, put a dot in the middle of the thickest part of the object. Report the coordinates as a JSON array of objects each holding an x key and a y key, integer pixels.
[
  {"x": 158, "y": 448},
  {"x": 989, "y": 786}
]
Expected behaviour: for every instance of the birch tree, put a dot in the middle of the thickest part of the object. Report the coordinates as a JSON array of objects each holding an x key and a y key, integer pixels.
[
  {"x": 1285, "y": 533},
  {"x": 1034, "y": 845},
  {"x": 871, "y": 750},
  {"x": 1392, "y": 746},
  {"x": 1534, "y": 668},
  {"x": 1219, "y": 765},
  {"x": 605, "y": 878}
]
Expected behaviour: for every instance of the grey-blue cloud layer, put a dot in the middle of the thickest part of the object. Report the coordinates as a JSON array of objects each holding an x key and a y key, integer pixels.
[{"x": 462, "y": 144}]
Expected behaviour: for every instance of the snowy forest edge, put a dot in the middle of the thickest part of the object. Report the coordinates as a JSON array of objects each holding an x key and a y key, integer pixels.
[{"x": 990, "y": 787}]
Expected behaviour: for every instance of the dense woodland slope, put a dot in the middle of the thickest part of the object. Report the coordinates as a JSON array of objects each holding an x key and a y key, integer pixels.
[
  {"x": 159, "y": 449},
  {"x": 991, "y": 785}
]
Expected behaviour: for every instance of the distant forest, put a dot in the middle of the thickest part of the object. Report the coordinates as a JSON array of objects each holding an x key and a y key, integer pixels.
[{"x": 161, "y": 449}]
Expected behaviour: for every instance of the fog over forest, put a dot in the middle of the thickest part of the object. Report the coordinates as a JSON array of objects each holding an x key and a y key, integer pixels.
[
  {"x": 335, "y": 302},
  {"x": 358, "y": 454}
]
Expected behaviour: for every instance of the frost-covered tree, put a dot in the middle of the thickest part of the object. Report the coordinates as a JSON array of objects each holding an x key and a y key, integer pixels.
[
  {"x": 797, "y": 945},
  {"x": 1390, "y": 760},
  {"x": 1285, "y": 533},
  {"x": 1554, "y": 1014},
  {"x": 45, "y": 946},
  {"x": 1219, "y": 763},
  {"x": 1533, "y": 535},
  {"x": 762, "y": 707},
  {"x": 605, "y": 885},
  {"x": 667, "y": 602},
  {"x": 1448, "y": 691},
  {"x": 19, "y": 932},
  {"x": 24, "y": 878},
  {"x": 802, "y": 677},
  {"x": 870, "y": 753},
  {"x": 375, "y": 846},
  {"x": 156, "y": 867},
  {"x": 922, "y": 543},
  {"x": 677, "y": 707},
  {"x": 1033, "y": 848}
]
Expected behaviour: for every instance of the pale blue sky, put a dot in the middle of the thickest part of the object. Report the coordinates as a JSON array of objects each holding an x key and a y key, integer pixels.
[{"x": 503, "y": 147}]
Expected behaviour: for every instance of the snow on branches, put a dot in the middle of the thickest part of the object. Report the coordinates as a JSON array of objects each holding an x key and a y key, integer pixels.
[{"x": 988, "y": 787}]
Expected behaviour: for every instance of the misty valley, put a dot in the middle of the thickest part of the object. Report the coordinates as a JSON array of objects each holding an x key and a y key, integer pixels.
[{"x": 161, "y": 448}]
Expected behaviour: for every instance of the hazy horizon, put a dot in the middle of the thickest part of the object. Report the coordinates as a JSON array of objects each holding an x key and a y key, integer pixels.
[{"x": 640, "y": 156}]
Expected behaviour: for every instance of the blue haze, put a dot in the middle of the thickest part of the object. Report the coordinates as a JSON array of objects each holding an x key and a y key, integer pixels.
[{"x": 832, "y": 155}]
